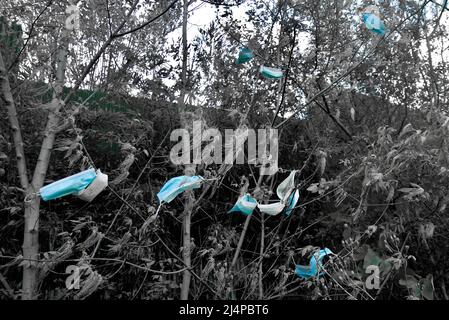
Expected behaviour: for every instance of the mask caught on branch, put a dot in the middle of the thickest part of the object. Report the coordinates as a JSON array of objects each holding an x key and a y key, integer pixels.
[
  {"x": 245, "y": 55},
  {"x": 374, "y": 23},
  {"x": 312, "y": 270},
  {"x": 271, "y": 209},
  {"x": 271, "y": 73},
  {"x": 285, "y": 193},
  {"x": 285, "y": 187},
  {"x": 245, "y": 204},
  {"x": 69, "y": 185},
  {"x": 291, "y": 202},
  {"x": 178, "y": 185},
  {"x": 95, "y": 188}
]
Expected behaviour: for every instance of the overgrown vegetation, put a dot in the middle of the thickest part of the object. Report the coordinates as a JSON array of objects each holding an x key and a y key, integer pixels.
[{"x": 371, "y": 152}]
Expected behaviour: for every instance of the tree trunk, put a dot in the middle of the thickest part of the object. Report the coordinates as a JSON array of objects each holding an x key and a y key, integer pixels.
[
  {"x": 31, "y": 231},
  {"x": 31, "y": 240},
  {"x": 186, "y": 240},
  {"x": 7, "y": 97},
  {"x": 32, "y": 202},
  {"x": 189, "y": 169},
  {"x": 30, "y": 249},
  {"x": 262, "y": 248}
]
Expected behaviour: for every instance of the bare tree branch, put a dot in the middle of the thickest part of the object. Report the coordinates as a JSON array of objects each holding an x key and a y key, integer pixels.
[
  {"x": 8, "y": 99},
  {"x": 350, "y": 70},
  {"x": 143, "y": 25},
  {"x": 29, "y": 35}
]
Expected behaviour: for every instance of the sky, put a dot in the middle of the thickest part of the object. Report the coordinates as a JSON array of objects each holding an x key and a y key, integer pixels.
[{"x": 202, "y": 14}]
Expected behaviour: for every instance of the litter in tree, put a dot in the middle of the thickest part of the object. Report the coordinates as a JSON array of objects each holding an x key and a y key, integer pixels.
[
  {"x": 271, "y": 73},
  {"x": 372, "y": 9},
  {"x": 285, "y": 188},
  {"x": 245, "y": 55},
  {"x": 95, "y": 188},
  {"x": 271, "y": 209},
  {"x": 178, "y": 185},
  {"x": 69, "y": 185},
  {"x": 285, "y": 193},
  {"x": 245, "y": 204},
  {"x": 291, "y": 202},
  {"x": 315, "y": 265},
  {"x": 374, "y": 23}
]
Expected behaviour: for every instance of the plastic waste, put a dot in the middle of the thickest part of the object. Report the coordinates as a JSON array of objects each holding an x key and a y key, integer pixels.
[
  {"x": 306, "y": 272},
  {"x": 374, "y": 23},
  {"x": 285, "y": 188},
  {"x": 245, "y": 55},
  {"x": 245, "y": 204},
  {"x": 178, "y": 185},
  {"x": 68, "y": 185},
  {"x": 291, "y": 202},
  {"x": 271, "y": 209},
  {"x": 95, "y": 188},
  {"x": 285, "y": 193},
  {"x": 271, "y": 73}
]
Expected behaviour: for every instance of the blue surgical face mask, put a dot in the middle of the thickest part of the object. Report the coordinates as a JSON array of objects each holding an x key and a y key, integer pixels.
[
  {"x": 245, "y": 55},
  {"x": 178, "y": 185},
  {"x": 285, "y": 187},
  {"x": 271, "y": 73},
  {"x": 245, "y": 204},
  {"x": 95, "y": 188},
  {"x": 291, "y": 202},
  {"x": 69, "y": 185},
  {"x": 374, "y": 23},
  {"x": 315, "y": 264}
]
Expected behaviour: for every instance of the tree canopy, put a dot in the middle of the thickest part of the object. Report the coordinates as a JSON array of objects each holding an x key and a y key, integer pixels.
[{"x": 356, "y": 89}]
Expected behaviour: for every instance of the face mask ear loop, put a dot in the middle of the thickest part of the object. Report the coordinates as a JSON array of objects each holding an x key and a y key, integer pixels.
[
  {"x": 30, "y": 196},
  {"x": 158, "y": 208}
]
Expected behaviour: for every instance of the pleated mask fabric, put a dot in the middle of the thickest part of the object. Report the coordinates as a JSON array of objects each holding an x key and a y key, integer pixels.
[
  {"x": 68, "y": 185},
  {"x": 95, "y": 188},
  {"x": 271, "y": 73},
  {"x": 312, "y": 270},
  {"x": 175, "y": 186},
  {"x": 245, "y": 204},
  {"x": 245, "y": 55},
  {"x": 374, "y": 23}
]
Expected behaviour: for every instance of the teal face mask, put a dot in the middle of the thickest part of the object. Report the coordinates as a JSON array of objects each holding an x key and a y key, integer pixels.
[
  {"x": 285, "y": 193},
  {"x": 245, "y": 204},
  {"x": 306, "y": 272},
  {"x": 373, "y": 23},
  {"x": 271, "y": 73},
  {"x": 285, "y": 187},
  {"x": 291, "y": 202},
  {"x": 245, "y": 55},
  {"x": 95, "y": 188},
  {"x": 69, "y": 185},
  {"x": 178, "y": 185}
]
